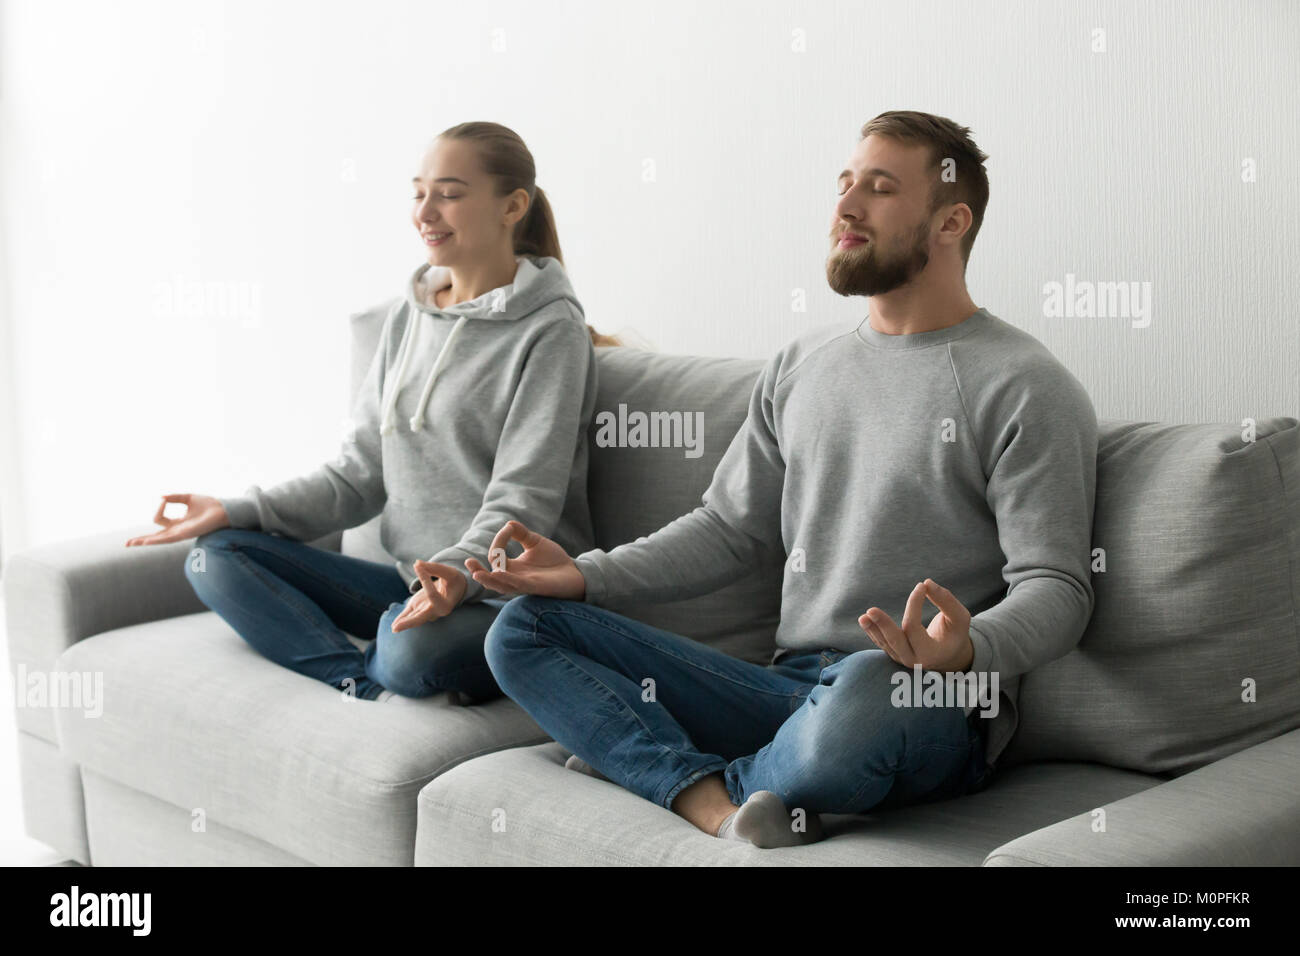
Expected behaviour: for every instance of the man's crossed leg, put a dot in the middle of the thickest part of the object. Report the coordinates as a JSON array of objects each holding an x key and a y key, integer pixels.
[{"x": 702, "y": 733}]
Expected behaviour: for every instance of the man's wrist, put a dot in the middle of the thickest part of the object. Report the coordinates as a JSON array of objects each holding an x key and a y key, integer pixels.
[
  {"x": 592, "y": 579},
  {"x": 969, "y": 656}
]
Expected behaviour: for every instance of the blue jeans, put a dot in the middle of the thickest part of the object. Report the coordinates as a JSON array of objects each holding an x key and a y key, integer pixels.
[
  {"x": 293, "y": 603},
  {"x": 655, "y": 712}
]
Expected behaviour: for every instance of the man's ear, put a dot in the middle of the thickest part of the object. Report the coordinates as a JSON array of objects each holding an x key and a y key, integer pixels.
[{"x": 957, "y": 221}]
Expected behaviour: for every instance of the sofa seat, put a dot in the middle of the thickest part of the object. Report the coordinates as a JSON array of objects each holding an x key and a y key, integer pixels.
[
  {"x": 194, "y": 717},
  {"x": 522, "y": 807}
]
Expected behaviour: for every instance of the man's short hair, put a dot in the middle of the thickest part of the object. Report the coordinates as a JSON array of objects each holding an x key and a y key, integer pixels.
[{"x": 946, "y": 140}]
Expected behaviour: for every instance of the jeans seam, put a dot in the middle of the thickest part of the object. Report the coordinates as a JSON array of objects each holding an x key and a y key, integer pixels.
[
  {"x": 669, "y": 652},
  {"x": 448, "y": 674},
  {"x": 451, "y": 675},
  {"x": 925, "y": 748},
  {"x": 307, "y": 571},
  {"x": 693, "y": 777},
  {"x": 537, "y": 617},
  {"x": 271, "y": 579},
  {"x": 288, "y": 600},
  {"x": 664, "y": 748}
]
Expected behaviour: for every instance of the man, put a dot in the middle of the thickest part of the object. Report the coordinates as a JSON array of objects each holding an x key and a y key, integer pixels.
[{"x": 933, "y": 455}]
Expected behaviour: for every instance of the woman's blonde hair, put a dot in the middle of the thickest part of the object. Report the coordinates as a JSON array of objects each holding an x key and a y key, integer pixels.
[{"x": 507, "y": 160}]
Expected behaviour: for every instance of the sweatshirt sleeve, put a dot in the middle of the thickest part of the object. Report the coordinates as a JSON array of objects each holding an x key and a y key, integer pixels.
[
  {"x": 738, "y": 522},
  {"x": 548, "y": 417},
  {"x": 342, "y": 493},
  {"x": 1043, "y": 450}
]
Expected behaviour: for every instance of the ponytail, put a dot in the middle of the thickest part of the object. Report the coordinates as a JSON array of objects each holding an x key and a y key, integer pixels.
[{"x": 505, "y": 157}]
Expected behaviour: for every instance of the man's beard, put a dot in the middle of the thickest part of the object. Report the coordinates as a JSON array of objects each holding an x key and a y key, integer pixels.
[{"x": 856, "y": 271}]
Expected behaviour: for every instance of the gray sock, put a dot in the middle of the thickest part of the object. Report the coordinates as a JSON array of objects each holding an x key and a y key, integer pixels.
[
  {"x": 764, "y": 821},
  {"x": 725, "y": 830},
  {"x": 577, "y": 763}
]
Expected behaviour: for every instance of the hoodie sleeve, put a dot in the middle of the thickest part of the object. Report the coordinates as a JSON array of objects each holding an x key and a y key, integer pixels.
[
  {"x": 734, "y": 529},
  {"x": 342, "y": 493},
  {"x": 548, "y": 417}
]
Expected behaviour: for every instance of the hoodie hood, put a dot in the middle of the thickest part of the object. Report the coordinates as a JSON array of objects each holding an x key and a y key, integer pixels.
[{"x": 537, "y": 284}]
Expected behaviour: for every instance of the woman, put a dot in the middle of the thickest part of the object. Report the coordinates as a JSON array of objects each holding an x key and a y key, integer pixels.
[{"x": 474, "y": 411}]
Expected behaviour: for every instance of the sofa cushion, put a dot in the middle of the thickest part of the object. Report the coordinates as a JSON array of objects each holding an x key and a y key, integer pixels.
[
  {"x": 633, "y": 491},
  {"x": 521, "y": 807},
  {"x": 1201, "y": 537},
  {"x": 194, "y": 716}
]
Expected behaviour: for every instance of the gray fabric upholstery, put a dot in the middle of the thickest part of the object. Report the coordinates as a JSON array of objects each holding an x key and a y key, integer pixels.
[
  {"x": 130, "y": 828},
  {"x": 1238, "y": 811},
  {"x": 62, "y": 593},
  {"x": 196, "y": 718},
  {"x": 1201, "y": 533},
  {"x": 53, "y": 809},
  {"x": 554, "y": 816}
]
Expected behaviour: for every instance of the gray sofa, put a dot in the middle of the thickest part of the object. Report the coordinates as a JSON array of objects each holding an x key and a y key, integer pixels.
[{"x": 1169, "y": 736}]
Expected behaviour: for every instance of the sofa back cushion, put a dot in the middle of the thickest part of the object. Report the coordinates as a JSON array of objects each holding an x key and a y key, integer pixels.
[
  {"x": 634, "y": 491},
  {"x": 1193, "y": 648}
]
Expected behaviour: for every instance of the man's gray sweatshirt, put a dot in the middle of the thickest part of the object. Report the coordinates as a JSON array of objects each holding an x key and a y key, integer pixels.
[
  {"x": 872, "y": 461},
  {"x": 469, "y": 416}
]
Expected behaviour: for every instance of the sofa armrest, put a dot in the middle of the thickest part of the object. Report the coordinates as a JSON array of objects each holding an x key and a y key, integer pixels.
[
  {"x": 58, "y": 594},
  {"x": 62, "y": 593},
  {"x": 1243, "y": 810}
]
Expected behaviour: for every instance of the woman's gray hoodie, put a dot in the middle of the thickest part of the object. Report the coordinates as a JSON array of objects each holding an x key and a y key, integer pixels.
[{"x": 469, "y": 416}]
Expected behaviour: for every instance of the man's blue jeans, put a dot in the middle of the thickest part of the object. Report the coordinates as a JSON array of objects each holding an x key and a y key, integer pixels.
[
  {"x": 293, "y": 603},
  {"x": 655, "y": 712}
]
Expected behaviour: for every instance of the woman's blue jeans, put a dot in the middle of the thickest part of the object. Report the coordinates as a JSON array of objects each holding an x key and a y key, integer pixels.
[
  {"x": 293, "y": 603},
  {"x": 655, "y": 712}
]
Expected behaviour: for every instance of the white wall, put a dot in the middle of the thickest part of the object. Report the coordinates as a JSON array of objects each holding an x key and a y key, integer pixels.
[{"x": 266, "y": 147}]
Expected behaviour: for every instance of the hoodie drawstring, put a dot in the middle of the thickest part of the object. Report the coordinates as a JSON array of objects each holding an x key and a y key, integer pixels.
[
  {"x": 417, "y": 422},
  {"x": 388, "y": 421}
]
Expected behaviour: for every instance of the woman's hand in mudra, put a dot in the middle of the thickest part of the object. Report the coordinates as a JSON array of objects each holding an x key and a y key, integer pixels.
[
  {"x": 202, "y": 514},
  {"x": 441, "y": 588}
]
